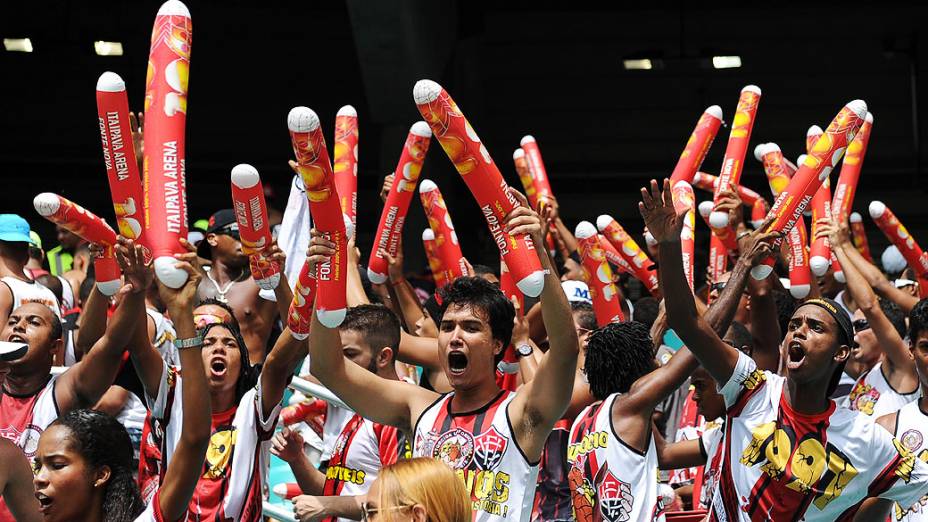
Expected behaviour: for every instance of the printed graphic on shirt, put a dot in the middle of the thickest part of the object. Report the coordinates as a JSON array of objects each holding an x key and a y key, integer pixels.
[
  {"x": 863, "y": 397},
  {"x": 912, "y": 440},
  {"x": 219, "y": 453}
]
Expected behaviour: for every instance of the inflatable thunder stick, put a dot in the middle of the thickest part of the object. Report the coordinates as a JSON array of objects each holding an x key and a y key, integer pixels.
[
  {"x": 299, "y": 317},
  {"x": 88, "y": 227},
  {"x": 474, "y": 164},
  {"x": 709, "y": 183},
  {"x": 697, "y": 146},
  {"x": 405, "y": 177},
  {"x": 718, "y": 251},
  {"x": 641, "y": 266},
  {"x": 897, "y": 234},
  {"x": 815, "y": 167},
  {"x": 447, "y": 248},
  {"x": 536, "y": 168},
  {"x": 251, "y": 215},
  {"x": 812, "y": 135},
  {"x": 163, "y": 178},
  {"x": 613, "y": 255},
  {"x": 738, "y": 138},
  {"x": 859, "y": 236},
  {"x": 122, "y": 168},
  {"x": 345, "y": 163},
  {"x": 684, "y": 199},
  {"x": 598, "y": 275},
  {"x": 312, "y": 160},
  {"x": 846, "y": 186},
  {"x": 439, "y": 274},
  {"x": 725, "y": 234},
  {"x": 800, "y": 275},
  {"x": 525, "y": 176},
  {"x": 820, "y": 250},
  {"x": 777, "y": 169},
  {"x": 508, "y": 286}
]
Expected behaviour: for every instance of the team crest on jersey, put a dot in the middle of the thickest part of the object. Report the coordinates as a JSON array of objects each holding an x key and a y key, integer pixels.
[
  {"x": 489, "y": 448},
  {"x": 455, "y": 448},
  {"x": 615, "y": 498},
  {"x": 912, "y": 440},
  {"x": 863, "y": 398},
  {"x": 29, "y": 440}
]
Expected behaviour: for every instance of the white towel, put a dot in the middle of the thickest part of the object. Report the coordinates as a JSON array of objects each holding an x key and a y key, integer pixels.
[{"x": 293, "y": 238}]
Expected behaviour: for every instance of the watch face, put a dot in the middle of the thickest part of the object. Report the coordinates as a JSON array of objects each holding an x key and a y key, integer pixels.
[{"x": 524, "y": 349}]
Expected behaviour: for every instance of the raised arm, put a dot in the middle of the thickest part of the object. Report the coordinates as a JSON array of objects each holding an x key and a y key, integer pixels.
[
  {"x": 765, "y": 327},
  {"x": 541, "y": 402},
  {"x": 185, "y": 467},
  {"x": 408, "y": 304},
  {"x": 288, "y": 352},
  {"x": 394, "y": 403},
  {"x": 872, "y": 275},
  {"x": 287, "y": 445}
]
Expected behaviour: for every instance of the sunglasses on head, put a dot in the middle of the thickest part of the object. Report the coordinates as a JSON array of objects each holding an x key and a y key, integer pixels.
[
  {"x": 860, "y": 325},
  {"x": 368, "y": 512}
]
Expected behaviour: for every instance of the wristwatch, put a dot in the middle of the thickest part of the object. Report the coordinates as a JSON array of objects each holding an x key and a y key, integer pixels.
[
  {"x": 524, "y": 350},
  {"x": 192, "y": 342}
]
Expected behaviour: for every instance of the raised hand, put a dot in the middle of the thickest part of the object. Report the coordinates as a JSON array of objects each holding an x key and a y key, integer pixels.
[
  {"x": 656, "y": 207},
  {"x": 385, "y": 189},
  {"x": 287, "y": 445},
  {"x": 136, "y": 125},
  {"x": 730, "y": 201},
  {"x": 319, "y": 251},
  {"x": 274, "y": 253},
  {"x": 131, "y": 259},
  {"x": 308, "y": 508},
  {"x": 524, "y": 220},
  {"x": 395, "y": 263}
]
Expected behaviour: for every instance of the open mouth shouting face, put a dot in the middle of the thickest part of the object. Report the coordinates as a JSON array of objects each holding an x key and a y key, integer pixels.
[
  {"x": 222, "y": 359},
  {"x": 812, "y": 345},
  {"x": 468, "y": 349},
  {"x": 31, "y": 324}
]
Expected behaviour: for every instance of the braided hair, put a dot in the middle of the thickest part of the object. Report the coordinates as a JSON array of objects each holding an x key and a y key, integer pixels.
[{"x": 617, "y": 355}]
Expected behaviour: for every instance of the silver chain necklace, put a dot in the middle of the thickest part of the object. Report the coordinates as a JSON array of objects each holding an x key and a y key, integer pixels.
[{"x": 220, "y": 290}]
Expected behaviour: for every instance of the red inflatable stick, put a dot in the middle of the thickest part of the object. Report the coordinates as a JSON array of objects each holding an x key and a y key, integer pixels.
[
  {"x": 165, "y": 197},
  {"x": 251, "y": 215},
  {"x": 800, "y": 276},
  {"x": 820, "y": 250},
  {"x": 525, "y": 176},
  {"x": 598, "y": 275},
  {"x": 447, "y": 247},
  {"x": 812, "y": 135},
  {"x": 758, "y": 212},
  {"x": 709, "y": 183},
  {"x": 726, "y": 234},
  {"x": 814, "y": 169},
  {"x": 312, "y": 160},
  {"x": 122, "y": 167},
  {"x": 641, "y": 266},
  {"x": 776, "y": 167},
  {"x": 474, "y": 164},
  {"x": 536, "y": 166},
  {"x": 859, "y": 236},
  {"x": 718, "y": 252},
  {"x": 89, "y": 227},
  {"x": 345, "y": 163},
  {"x": 897, "y": 234},
  {"x": 508, "y": 368},
  {"x": 684, "y": 199},
  {"x": 508, "y": 285},
  {"x": 440, "y": 274},
  {"x": 697, "y": 146},
  {"x": 613, "y": 255},
  {"x": 405, "y": 177},
  {"x": 301, "y": 308},
  {"x": 846, "y": 186},
  {"x": 738, "y": 138}
]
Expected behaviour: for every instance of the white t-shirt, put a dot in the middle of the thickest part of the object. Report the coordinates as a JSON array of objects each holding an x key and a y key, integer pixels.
[
  {"x": 873, "y": 395},
  {"x": 912, "y": 432}
]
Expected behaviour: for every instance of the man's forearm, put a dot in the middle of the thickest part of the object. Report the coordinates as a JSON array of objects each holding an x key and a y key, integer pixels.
[
  {"x": 681, "y": 313},
  {"x": 310, "y": 479},
  {"x": 342, "y": 506},
  {"x": 722, "y": 312}
]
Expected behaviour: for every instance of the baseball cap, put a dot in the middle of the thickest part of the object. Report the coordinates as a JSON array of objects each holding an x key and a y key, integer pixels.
[
  {"x": 577, "y": 291},
  {"x": 223, "y": 221},
  {"x": 35, "y": 239},
  {"x": 14, "y": 228}
]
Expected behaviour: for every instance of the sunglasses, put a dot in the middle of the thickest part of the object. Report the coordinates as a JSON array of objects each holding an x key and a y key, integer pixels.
[
  {"x": 229, "y": 230},
  {"x": 368, "y": 512},
  {"x": 860, "y": 325}
]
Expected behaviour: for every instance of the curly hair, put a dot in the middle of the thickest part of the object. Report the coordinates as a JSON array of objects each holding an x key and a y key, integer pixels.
[
  {"x": 481, "y": 296},
  {"x": 248, "y": 376},
  {"x": 617, "y": 355},
  {"x": 102, "y": 441},
  {"x": 918, "y": 320}
]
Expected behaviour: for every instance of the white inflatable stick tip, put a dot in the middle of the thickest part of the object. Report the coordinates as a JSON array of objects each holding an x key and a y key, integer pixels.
[
  {"x": 532, "y": 284},
  {"x": 772, "y": 147},
  {"x": 819, "y": 265},
  {"x": 299, "y": 336},
  {"x": 110, "y": 82},
  {"x": 425, "y": 91},
  {"x": 603, "y": 221},
  {"x": 174, "y": 8},
  {"x": 302, "y": 119},
  {"x": 427, "y": 185},
  {"x": 869, "y": 118},
  {"x": 349, "y": 226},
  {"x": 428, "y": 235},
  {"x": 108, "y": 288},
  {"x": 245, "y": 176},
  {"x": 347, "y": 110},
  {"x": 839, "y": 276},
  {"x": 420, "y": 128},
  {"x": 752, "y": 88},
  {"x": 859, "y": 107},
  {"x": 760, "y": 272},
  {"x": 268, "y": 283},
  {"x": 705, "y": 208},
  {"x": 855, "y": 217},
  {"x": 877, "y": 208},
  {"x": 814, "y": 130},
  {"x": 759, "y": 151},
  {"x": 280, "y": 489},
  {"x": 46, "y": 204},
  {"x": 167, "y": 273},
  {"x": 518, "y": 153},
  {"x": 584, "y": 230},
  {"x": 718, "y": 219},
  {"x": 715, "y": 111},
  {"x": 799, "y": 291},
  {"x": 682, "y": 183},
  {"x": 528, "y": 138},
  {"x": 331, "y": 318},
  {"x": 800, "y": 160},
  {"x": 376, "y": 277}
]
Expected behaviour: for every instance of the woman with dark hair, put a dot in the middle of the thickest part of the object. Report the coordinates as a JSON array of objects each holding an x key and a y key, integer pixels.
[{"x": 83, "y": 464}]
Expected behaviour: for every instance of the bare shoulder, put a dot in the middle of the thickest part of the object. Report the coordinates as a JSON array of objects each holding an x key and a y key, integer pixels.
[{"x": 888, "y": 422}]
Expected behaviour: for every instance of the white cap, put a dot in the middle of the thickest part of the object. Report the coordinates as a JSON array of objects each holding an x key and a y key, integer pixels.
[
  {"x": 892, "y": 260},
  {"x": 425, "y": 91},
  {"x": 110, "y": 82},
  {"x": 855, "y": 217},
  {"x": 518, "y": 153},
  {"x": 869, "y": 118},
  {"x": 705, "y": 208},
  {"x": 800, "y": 160},
  {"x": 584, "y": 230},
  {"x": 428, "y": 235},
  {"x": 576, "y": 291},
  {"x": 46, "y": 204},
  {"x": 603, "y": 221},
  {"x": 814, "y": 130},
  {"x": 649, "y": 238},
  {"x": 877, "y": 208},
  {"x": 528, "y": 138},
  {"x": 819, "y": 265},
  {"x": 715, "y": 111},
  {"x": 167, "y": 273},
  {"x": 761, "y": 272},
  {"x": 427, "y": 185},
  {"x": 302, "y": 119},
  {"x": 718, "y": 219},
  {"x": 376, "y": 277},
  {"x": 420, "y": 128},
  {"x": 859, "y": 107},
  {"x": 799, "y": 291},
  {"x": 347, "y": 110},
  {"x": 245, "y": 176},
  {"x": 759, "y": 151},
  {"x": 108, "y": 288},
  {"x": 752, "y": 88},
  {"x": 839, "y": 276},
  {"x": 174, "y": 8},
  {"x": 331, "y": 318},
  {"x": 532, "y": 284}
]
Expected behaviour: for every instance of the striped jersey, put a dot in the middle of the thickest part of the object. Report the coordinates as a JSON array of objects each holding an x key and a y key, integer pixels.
[
  {"x": 480, "y": 446},
  {"x": 873, "y": 395},
  {"x": 911, "y": 431},
  {"x": 609, "y": 480},
  {"x": 780, "y": 464}
]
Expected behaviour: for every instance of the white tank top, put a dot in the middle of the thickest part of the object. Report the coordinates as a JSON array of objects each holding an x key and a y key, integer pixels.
[
  {"x": 481, "y": 447},
  {"x": 31, "y": 292},
  {"x": 164, "y": 337},
  {"x": 873, "y": 395},
  {"x": 912, "y": 432},
  {"x": 610, "y": 480}
]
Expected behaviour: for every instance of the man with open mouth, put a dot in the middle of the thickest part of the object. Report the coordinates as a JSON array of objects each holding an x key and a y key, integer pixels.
[{"x": 491, "y": 437}]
